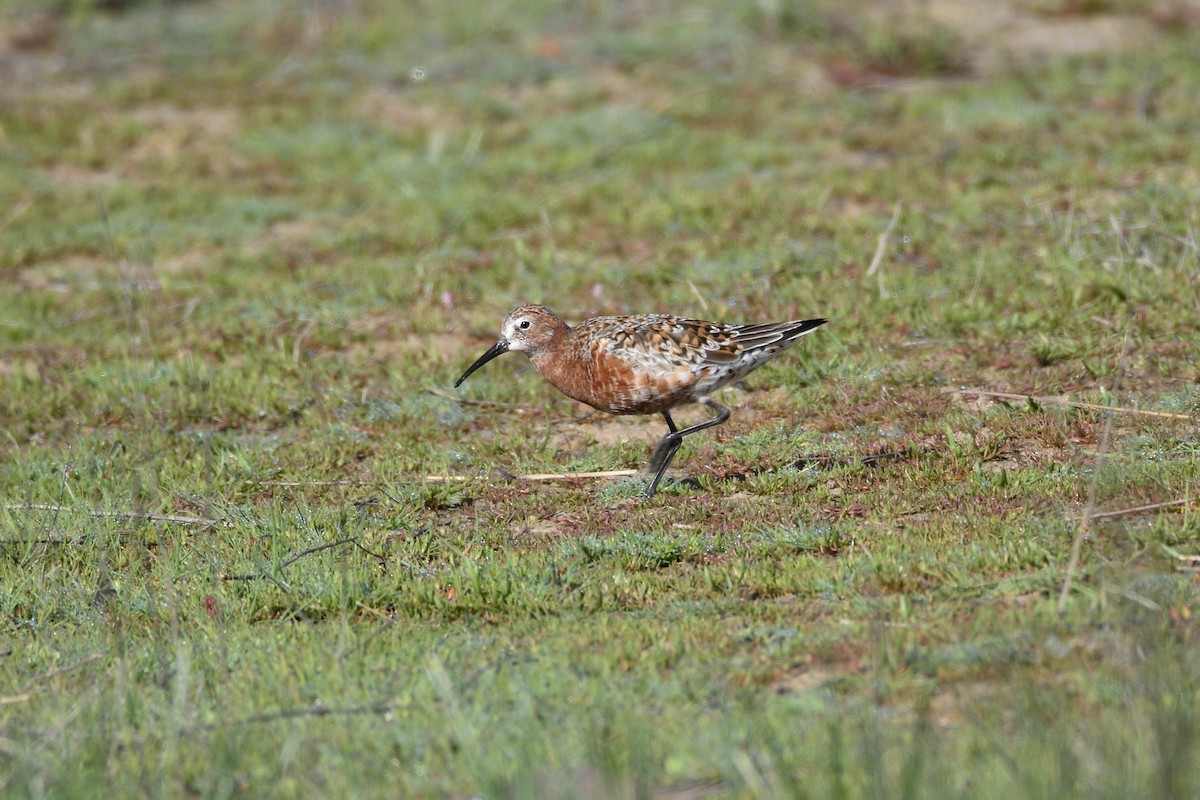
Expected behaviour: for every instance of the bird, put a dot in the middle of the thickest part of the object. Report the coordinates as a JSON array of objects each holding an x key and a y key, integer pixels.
[{"x": 643, "y": 364}]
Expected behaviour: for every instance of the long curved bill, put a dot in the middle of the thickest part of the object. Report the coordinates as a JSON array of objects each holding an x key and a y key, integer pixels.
[{"x": 498, "y": 349}]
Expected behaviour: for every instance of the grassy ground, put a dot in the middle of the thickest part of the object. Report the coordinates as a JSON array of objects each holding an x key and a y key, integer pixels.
[{"x": 246, "y": 247}]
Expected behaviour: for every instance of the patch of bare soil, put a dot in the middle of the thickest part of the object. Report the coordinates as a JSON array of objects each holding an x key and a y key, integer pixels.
[
  {"x": 399, "y": 112},
  {"x": 63, "y": 275},
  {"x": 201, "y": 137},
  {"x": 445, "y": 347},
  {"x": 291, "y": 234},
  {"x": 608, "y": 430},
  {"x": 999, "y": 34},
  {"x": 75, "y": 177},
  {"x": 808, "y": 678}
]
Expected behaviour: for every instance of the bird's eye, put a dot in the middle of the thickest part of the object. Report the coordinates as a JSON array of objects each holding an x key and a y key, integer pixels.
[{"x": 524, "y": 325}]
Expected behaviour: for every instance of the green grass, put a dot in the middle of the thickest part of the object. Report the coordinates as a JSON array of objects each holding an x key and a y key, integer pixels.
[{"x": 247, "y": 247}]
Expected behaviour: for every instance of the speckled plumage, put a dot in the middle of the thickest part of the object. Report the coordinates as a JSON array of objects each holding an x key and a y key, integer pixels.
[{"x": 643, "y": 364}]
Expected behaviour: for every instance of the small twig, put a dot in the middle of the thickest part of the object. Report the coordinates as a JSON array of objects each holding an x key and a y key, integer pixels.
[
  {"x": 542, "y": 476},
  {"x": 208, "y": 523},
  {"x": 1062, "y": 401},
  {"x": 881, "y": 248},
  {"x": 255, "y": 576},
  {"x": 288, "y": 562},
  {"x": 1127, "y": 512},
  {"x": 537, "y": 476},
  {"x": 377, "y": 556},
  {"x": 382, "y": 707},
  {"x": 1085, "y": 522},
  {"x": 567, "y": 476}
]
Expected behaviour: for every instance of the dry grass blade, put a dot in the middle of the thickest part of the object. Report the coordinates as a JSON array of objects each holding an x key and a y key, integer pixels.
[
  {"x": 16, "y": 213},
  {"x": 1085, "y": 522},
  {"x": 1062, "y": 401},
  {"x": 543, "y": 476},
  {"x": 566, "y": 476},
  {"x": 1189, "y": 561},
  {"x": 881, "y": 248},
  {"x": 1128, "y": 512},
  {"x": 537, "y": 476},
  {"x": 91, "y": 512}
]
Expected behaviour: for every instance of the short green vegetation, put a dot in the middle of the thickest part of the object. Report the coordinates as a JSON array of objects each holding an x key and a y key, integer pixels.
[{"x": 252, "y": 544}]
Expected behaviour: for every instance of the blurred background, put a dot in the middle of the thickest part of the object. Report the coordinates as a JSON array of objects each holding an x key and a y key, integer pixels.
[{"x": 255, "y": 545}]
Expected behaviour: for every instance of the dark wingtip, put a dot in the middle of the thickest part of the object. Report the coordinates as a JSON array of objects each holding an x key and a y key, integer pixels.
[{"x": 806, "y": 325}]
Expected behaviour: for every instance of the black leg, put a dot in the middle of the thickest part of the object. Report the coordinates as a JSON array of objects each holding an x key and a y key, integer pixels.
[
  {"x": 669, "y": 445},
  {"x": 663, "y": 453},
  {"x": 664, "y": 444}
]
